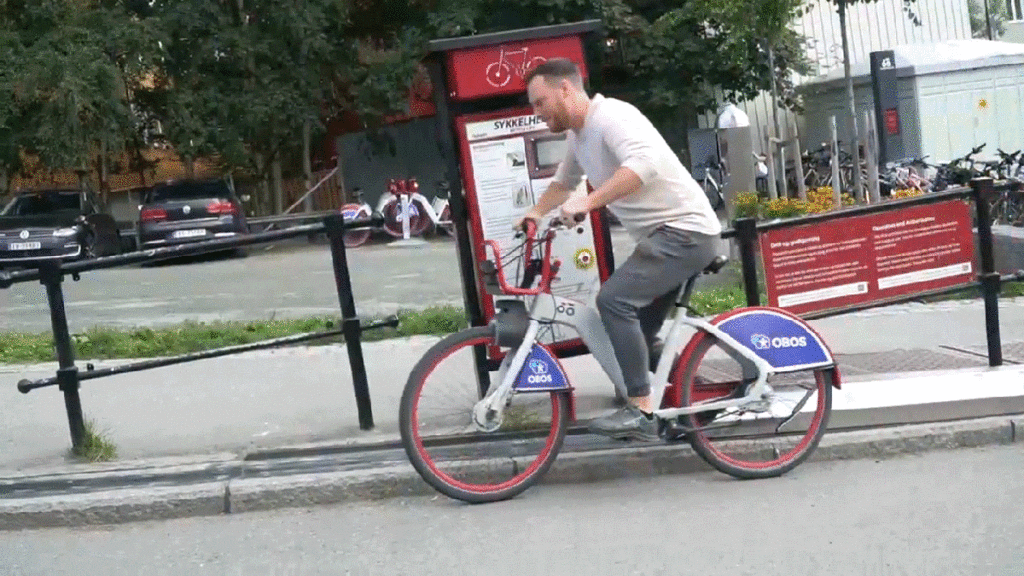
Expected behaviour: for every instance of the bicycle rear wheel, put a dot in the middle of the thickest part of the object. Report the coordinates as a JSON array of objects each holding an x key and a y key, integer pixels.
[
  {"x": 754, "y": 441},
  {"x": 447, "y": 448},
  {"x": 355, "y": 238},
  {"x": 418, "y": 220}
]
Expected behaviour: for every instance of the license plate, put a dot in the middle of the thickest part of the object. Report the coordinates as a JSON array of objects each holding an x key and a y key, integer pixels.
[
  {"x": 189, "y": 233},
  {"x": 24, "y": 246}
]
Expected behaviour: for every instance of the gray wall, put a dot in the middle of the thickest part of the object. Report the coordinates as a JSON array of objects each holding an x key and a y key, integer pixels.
[{"x": 407, "y": 150}]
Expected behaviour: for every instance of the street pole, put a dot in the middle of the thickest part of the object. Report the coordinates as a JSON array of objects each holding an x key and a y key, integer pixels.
[
  {"x": 852, "y": 116},
  {"x": 988, "y": 20}
]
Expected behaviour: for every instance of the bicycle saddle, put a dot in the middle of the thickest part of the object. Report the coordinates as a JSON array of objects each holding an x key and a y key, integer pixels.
[{"x": 716, "y": 264}]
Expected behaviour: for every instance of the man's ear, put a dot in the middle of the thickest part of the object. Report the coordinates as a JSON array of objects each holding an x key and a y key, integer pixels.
[{"x": 565, "y": 87}]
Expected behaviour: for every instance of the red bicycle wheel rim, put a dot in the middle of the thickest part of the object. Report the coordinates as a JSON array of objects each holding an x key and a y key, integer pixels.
[{"x": 519, "y": 478}]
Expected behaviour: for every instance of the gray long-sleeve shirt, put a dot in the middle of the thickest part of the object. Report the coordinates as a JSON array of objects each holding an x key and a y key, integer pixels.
[{"x": 615, "y": 134}]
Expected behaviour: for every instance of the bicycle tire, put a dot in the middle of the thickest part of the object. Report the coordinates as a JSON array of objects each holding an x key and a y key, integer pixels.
[
  {"x": 355, "y": 238},
  {"x": 487, "y": 456},
  {"x": 418, "y": 220},
  {"x": 713, "y": 195},
  {"x": 697, "y": 385},
  {"x": 446, "y": 221}
]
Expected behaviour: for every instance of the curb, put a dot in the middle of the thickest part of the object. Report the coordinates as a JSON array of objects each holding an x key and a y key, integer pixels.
[{"x": 246, "y": 494}]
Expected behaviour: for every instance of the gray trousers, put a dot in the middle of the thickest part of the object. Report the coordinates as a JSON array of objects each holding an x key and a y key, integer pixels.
[{"x": 635, "y": 300}]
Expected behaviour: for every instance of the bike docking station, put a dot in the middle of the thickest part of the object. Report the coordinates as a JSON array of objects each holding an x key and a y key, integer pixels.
[{"x": 505, "y": 157}]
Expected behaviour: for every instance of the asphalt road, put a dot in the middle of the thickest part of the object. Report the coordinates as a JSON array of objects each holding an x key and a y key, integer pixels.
[
  {"x": 288, "y": 279},
  {"x": 947, "y": 512}
]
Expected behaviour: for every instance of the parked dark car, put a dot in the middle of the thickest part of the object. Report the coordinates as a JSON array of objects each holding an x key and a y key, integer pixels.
[
  {"x": 55, "y": 224},
  {"x": 188, "y": 211}
]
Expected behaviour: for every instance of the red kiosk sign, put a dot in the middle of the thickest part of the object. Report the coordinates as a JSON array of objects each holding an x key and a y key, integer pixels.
[
  {"x": 500, "y": 69},
  {"x": 870, "y": 258},
  {"x": 507, "y": 157}
]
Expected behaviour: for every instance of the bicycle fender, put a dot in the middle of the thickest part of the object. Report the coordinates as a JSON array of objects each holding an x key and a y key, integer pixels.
[
  {"x": 783, "y": 340},
  {"x": 541, "y": 372},
  {"x": 352, "y": 211}
]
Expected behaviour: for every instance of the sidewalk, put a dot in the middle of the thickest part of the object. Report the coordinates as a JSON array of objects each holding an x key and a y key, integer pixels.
[{"x": 278, "y": 427}]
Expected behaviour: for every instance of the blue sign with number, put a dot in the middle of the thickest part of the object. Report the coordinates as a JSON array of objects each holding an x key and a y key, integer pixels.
[
  {"x": 541, "y": 372},
  {"x": 786, "y": 343}
]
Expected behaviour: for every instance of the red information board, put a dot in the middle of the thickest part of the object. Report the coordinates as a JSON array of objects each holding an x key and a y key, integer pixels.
[{"x": 868, "y": 258}]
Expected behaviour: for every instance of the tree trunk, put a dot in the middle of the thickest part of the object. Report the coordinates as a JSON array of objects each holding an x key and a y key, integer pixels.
[
  {"x": 190, "y": 166},
  {"x": 262, "y": 195},
  {"x": 852, "y": 116},
  {"x": 104, "y": 175},
  {"x": 307, "y": 169},
  {"x": 275, "y": 167}
]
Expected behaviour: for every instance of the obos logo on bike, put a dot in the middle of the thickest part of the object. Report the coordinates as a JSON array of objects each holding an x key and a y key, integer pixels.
[
  {"x": 762, "y": 342},
  {"x": 540, "y": 372},
  {"x": 783, "y": 341}
]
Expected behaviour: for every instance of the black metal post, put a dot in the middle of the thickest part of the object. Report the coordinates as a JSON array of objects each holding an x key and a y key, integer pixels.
[
  {"x": 746, "y": 235},
  {"x": 990, "y": 281},
  {"x": 51, "y": 277},
  {"x": 335, "y": 226},
  {"x": 460, "y": 213}
]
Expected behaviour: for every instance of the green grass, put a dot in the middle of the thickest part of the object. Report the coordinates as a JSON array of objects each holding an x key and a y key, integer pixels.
[
  {"x": 108, "y": 343},
  {"x": 96, "y": 447},
  {"x": 105, "y": 343}
]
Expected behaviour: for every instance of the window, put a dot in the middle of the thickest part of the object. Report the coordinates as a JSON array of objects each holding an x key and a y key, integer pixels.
[
  {"x": 44, "y": 203},
  {"x": 1013, "y": 10}
]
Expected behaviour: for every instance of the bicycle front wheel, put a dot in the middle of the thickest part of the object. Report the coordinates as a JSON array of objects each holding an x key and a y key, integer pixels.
[
  {"x": 393, "y": 217},
  {"x": 759, "y": 440},
  {"x": 450, "y": 451}
]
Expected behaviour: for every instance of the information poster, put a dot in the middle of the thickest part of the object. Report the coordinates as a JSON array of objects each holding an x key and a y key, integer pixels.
[
  {"x": 506, "y": 183},
  {"x": 869, "y": 258}
]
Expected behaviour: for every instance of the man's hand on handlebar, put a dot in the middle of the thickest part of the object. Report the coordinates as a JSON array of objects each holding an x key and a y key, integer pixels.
[
  {"x": 521, "y": 225},
  {"x": 574, "y": 210}
]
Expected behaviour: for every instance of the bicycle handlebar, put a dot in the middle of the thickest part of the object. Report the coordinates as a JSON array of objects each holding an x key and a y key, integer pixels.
[{"x": 548, "y": 268}]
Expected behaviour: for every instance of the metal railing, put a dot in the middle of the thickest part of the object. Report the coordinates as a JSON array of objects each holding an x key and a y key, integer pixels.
[
  {"x": 981, "y": 191},
  {"x": 68, "y": 377}
]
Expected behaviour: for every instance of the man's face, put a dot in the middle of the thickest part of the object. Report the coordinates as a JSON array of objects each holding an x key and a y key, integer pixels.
[{"x": 549, "y": 102}]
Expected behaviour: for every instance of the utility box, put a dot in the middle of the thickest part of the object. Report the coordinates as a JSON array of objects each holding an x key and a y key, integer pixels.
[{"x": 951, "y": 97}]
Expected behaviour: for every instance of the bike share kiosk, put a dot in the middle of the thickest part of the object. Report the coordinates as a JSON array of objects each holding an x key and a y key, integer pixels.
[{"x": 505, "y": 157}]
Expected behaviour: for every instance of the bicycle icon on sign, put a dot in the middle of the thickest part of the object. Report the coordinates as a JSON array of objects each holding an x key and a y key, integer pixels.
[{"x": 500, "y": 72}]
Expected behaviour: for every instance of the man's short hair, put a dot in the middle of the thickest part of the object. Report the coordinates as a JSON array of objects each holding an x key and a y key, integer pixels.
[{"x": 557, "y": 69}]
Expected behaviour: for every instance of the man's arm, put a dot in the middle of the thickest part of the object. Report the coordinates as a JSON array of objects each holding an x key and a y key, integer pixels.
[
  {"x": 552, "y": 198},
  {"x": 622, "y": 183},
  {"x": 628, "y": 138},
  {"x": 561, "y": 186}
]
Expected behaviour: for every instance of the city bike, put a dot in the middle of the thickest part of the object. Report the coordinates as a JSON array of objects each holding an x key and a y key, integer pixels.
[
  {"x": 750, "y": 390},
  {"x": 355, "y": 211}
]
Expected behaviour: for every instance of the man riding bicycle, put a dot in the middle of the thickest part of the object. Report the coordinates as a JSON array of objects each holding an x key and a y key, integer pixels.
[{"x": 641, "y": 181}]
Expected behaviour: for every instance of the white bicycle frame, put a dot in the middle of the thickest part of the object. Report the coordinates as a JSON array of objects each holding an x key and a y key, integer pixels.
[{"x": 547, "y": 308}]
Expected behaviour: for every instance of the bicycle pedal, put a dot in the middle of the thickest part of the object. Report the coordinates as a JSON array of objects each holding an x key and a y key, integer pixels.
[{"x": 673, "y": 432}]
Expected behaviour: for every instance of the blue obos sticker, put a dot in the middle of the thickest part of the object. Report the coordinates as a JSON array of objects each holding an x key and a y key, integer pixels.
[
  {"x": 541, "y": 373},
  {"x": 781, "y": 341}
]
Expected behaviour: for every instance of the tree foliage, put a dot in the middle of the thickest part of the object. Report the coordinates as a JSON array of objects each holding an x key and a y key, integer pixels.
[
  {"x": 997, "y": 15},
  {"x": 66, "y": 70},
  {"x": 239, "y": 78}
]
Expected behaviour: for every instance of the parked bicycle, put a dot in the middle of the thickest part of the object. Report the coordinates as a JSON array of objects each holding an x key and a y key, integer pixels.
[
  {"x": 354, "y": 211},
  {"x": 905, "y": 174},
  {"x": 713, "y": 187},
  {"x": 422, "y": 213},
  {"x": 751, "y": 390}
]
